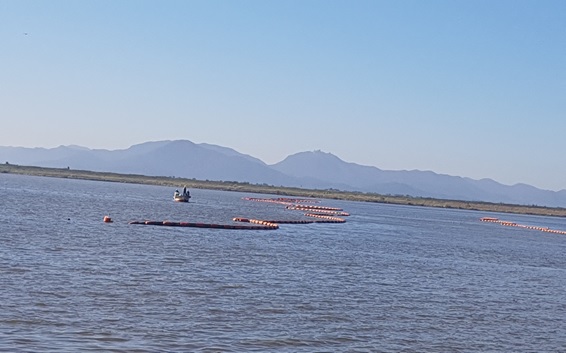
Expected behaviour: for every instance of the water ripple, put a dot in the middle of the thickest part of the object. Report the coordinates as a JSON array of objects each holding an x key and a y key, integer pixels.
[{"x": 391, "y": 279}]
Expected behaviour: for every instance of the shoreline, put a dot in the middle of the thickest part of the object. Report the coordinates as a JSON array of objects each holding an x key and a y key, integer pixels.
[{"x": 281, "y": 190}]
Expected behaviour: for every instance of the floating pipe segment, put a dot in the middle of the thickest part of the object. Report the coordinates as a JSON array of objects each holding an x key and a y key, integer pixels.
[
  {"x": 323, "y": 215},
  {"x": 270, "y": 226},
  {"x": 513, "y": 224}
]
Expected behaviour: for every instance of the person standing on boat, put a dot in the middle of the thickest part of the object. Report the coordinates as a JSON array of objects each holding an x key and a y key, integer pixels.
[{"x": 185, "y": 190}]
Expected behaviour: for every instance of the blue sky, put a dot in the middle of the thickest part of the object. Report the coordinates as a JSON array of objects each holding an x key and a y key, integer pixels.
[{"x": 470, "y": 88}]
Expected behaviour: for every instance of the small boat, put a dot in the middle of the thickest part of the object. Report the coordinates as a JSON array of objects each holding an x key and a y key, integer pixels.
[{"x": 184, "y": 197}]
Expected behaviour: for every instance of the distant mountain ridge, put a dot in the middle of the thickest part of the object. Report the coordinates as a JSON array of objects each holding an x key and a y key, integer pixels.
[{"x": 315, "y": 169}]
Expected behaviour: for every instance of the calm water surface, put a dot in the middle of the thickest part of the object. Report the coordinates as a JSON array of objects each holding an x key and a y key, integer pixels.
[{"x": 391, "y": 279}]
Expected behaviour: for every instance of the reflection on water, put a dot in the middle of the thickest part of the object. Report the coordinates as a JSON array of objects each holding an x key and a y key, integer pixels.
[{"x": 392, "y": 278}]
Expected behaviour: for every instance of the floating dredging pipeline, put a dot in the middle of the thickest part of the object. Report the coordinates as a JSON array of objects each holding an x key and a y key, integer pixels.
[
  {"x": 513, "y": 224},
  {"x": 316, "y": 213}
]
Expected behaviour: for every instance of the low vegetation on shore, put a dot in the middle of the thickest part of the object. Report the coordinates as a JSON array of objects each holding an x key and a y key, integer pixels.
[{"x": 281, "y": 190}]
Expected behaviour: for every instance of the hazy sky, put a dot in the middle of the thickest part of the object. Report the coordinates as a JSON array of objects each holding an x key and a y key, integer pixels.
[{"x": 469, "y": 88}]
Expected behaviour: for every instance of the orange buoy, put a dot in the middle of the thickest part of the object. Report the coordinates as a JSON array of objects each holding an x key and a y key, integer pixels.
[{"x": 107, "y": 219}]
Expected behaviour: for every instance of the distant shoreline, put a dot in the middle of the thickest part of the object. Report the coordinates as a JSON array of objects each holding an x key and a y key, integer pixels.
[{"x": 280, "y": 190}]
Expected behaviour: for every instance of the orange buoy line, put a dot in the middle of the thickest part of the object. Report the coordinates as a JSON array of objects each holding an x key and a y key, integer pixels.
[
  {"x": 287, "y": 199},
  {"x": 278, "y": 201},
  {"x": 311, "y": 207},
  {"x": 281, "y": 200},
  {"x": 331, "y": 213},
  {"x": 513, "y": 224},
  {"x": 326, "y": 219},
  {"x": 270, "y": 224},
  {"x": 323, "y": 213},
  {"x": 301, "y": 221}
]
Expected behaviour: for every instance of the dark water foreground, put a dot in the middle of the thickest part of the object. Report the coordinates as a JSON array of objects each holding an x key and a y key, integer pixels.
[{"x": 391, "y": 279}]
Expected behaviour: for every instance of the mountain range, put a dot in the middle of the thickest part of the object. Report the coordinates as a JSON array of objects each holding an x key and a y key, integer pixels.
[{"x": 313, "y": 170}]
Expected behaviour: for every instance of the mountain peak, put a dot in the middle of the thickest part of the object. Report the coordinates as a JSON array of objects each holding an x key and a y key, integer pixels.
[
  {"x": 314, "y": 155},
  {"x": 311, "y": 164}
]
